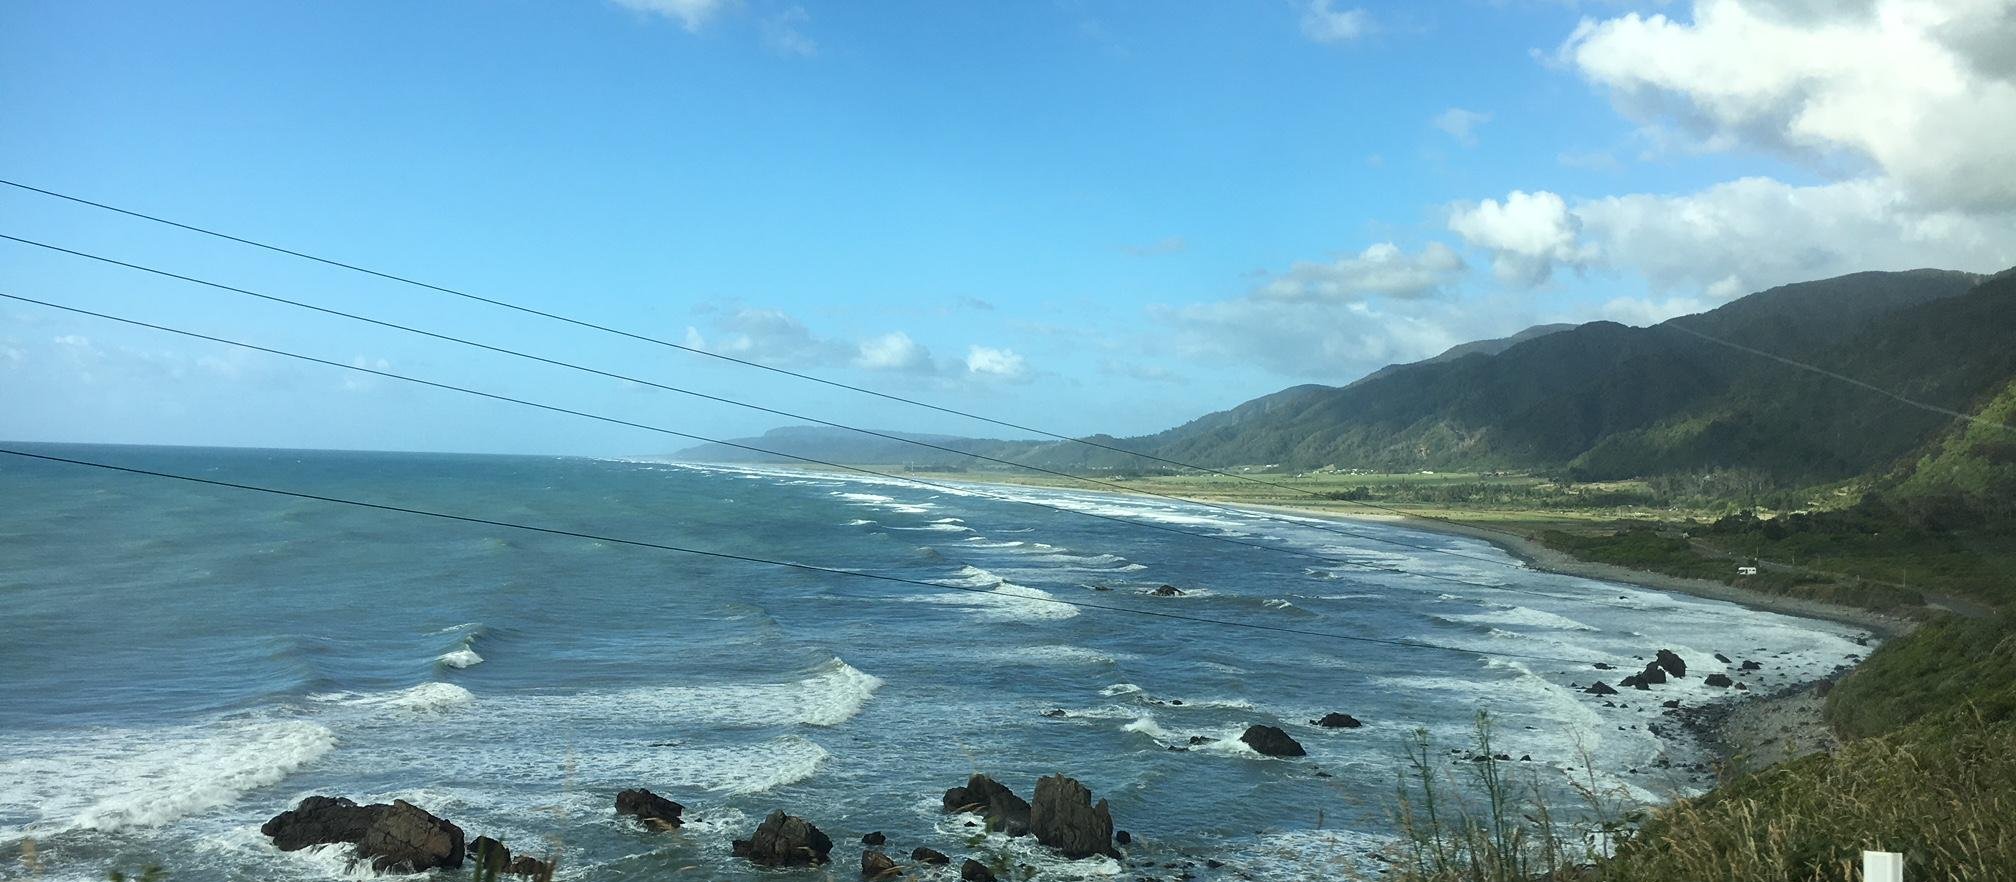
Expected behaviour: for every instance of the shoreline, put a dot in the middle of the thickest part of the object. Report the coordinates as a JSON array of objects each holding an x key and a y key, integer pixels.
[
  {"x": 1751, "y": 731},
  {"x": 1538, "y": 556}
]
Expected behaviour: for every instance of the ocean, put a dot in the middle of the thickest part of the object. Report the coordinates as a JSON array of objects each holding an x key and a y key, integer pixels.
[{"x": 182, "y": 662}]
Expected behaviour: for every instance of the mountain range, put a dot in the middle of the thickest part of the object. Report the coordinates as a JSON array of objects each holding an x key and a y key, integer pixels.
[{"x": 1808, "y": 382}]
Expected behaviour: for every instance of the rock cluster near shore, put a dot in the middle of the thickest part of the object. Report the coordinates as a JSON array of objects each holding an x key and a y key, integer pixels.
[
  {"x": 403, "y": 838},
  {"x": 396, "y": 838}
]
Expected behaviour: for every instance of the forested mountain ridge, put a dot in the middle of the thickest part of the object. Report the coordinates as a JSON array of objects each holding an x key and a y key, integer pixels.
[{"x": 1603, "y": 400}]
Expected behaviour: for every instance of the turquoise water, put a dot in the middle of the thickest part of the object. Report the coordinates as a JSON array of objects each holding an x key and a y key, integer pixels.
[{"x": 183, "y": 662}]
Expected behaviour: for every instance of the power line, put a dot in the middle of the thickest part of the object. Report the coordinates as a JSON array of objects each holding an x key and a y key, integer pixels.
[
  {"x": 1933, "y": 408},
  {"x": 659, "y": 341},
  {"x": 818, "y": 462},
  {"x": 723, "y": 555},
  {"x": 449, "y": 338}
]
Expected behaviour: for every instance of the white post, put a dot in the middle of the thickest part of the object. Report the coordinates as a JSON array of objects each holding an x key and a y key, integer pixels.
[{"x": 1882, "y": 866}]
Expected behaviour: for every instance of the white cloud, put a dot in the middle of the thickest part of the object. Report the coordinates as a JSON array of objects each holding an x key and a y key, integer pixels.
[
  {"x": 894, "y": 351},
  {"x": 691, "y": 14},
  {"x": 1920, "y": 91},
  {"x": 1328, "y": 341},
  {"x": 1734, "y": 238},
  {"x": 1461, "y": 124},
  {"x": 784, "y": 33},
  {"x": 771, "y": 336},
  {"x": 1528, "y": 235},
  {"x": 987, "y": 361},
  {"x": 1750, "y": 234},
  {"x": 1380, "y": 270},
  {"x": 1324, "y": 24}
]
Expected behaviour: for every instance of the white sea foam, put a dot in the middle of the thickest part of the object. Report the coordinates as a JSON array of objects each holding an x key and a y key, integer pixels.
[
  {"x": 424, "y": 698},
  {"x": 1003, "y": 601},
  {"x": 1057, "y": 654},
  {"x": 744, "y": 769},
  {"x": 460, "y": 658},
  {"x": 938, "y": 528},
  {"x": 831, "y": 695},
  {"x": 126, "y": 778},
  {"x": 1522, "y": 615},
  {"x": 1119, "y": 689}
]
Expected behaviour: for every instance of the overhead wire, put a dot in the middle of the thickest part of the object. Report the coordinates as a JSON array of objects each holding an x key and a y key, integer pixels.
[
  {"x": 1310, "y": 523},
  {"x": 696, "y": 350},
  {"x": 795, "y": 565},
  {"x": 566, "y": 411}
]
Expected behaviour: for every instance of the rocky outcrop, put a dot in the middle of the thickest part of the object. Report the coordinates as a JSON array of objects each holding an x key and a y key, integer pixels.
[
  {"x": 1003, "y": 810},
  {"x": 485, "y": 851},
  {"x": 1064, "y": 818},
  {"x": 1272, "y": 742},
  {"x": 1167, "y": 591},
  {"x": 400, "y": 837},
  {"x": 650, "y": 808},
  {"x": 975, "y": 871},
  {"x": 1600, "y": 688},
  {"x": 1721, "y": 680},
  {"x": 320, "y": 820},
  {"x": 1672, "y": 662},
  {"x": 1749, "y": 666},
  {"x": 405, "y": 838},
  {"x": 785, "y": 841},
  {"x": 876, "y": 865},
  {"x": 875, "y": 838},
  {"x": 1337, "y": 721},
  {"x": 929, "y": 856}
]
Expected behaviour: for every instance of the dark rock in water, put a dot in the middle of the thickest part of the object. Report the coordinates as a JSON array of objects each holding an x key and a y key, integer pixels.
[
  {"x": 1055, "y": 712},
  {"x": 1721, "y": 658},
  {"x": 1175, "y": 701},
  {"x": 975, "y": 871},
  {"x": 1671, "y": 702},
  {"x": 406, "y": 839},
  {"x": 1741, "y": 687},
  {"x": 1063, "y": 817},
  {"x": 1721, "y": 680},
  {"x": 876, "y": 865},
  {"x": 1525, "y": 757},
  {"x": 320, "y": 820},
  {"x": 1101, "y": 588},
  {"x": 1599, "y": 688},
  {"x": 1635, "y": 681},
  {"x": 1198, "y": 739},
  {"x": 875, "y": 838},
  {"x": 785, "y": 841},
  {"x": 1653, "y": 673},
  {"x": 1337, "y": 721},
  {"x": 1167, "y": 591},
  {"x": 986, "y": 797},
  {"x": 1605, "y": 667},
  {"x": 650, "y": 808},
  {"x": 530, "y": 867},
  {"x": 1749, "y": 666},
  {"x": 1272, "y": 741},
  {"x": 487, "y": 852},
  {"x": 929, "y": 856},
  {"x": 1672, "y": 662},
  {"x": 1123, "y": 837}
]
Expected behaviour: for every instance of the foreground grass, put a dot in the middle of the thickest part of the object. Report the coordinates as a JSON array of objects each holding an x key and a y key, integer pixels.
[{"x": 1941, "y": 791}]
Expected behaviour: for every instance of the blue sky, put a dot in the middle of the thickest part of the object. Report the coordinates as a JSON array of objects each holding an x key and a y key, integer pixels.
[{"x": 1088, "y": 216}]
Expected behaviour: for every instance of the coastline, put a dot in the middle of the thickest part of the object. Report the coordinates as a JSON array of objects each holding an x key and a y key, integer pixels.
[
  {"x": 1754, "y": 730},
  {"x": 1540, "y": 557}
]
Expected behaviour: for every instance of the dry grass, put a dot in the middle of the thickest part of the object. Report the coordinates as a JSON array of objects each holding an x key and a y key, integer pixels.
[{"x": 1942, "y": 792}]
